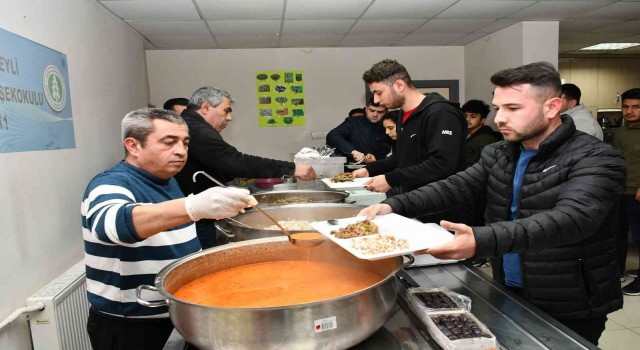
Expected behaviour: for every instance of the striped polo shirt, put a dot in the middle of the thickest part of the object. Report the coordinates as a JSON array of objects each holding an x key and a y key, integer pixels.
[{"x": 117, "y": 259}]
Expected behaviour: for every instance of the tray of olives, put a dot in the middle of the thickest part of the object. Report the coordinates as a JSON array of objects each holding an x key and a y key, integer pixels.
[
  {"x": 459, "y": 330},
  {"x": 437, "y": 299}
]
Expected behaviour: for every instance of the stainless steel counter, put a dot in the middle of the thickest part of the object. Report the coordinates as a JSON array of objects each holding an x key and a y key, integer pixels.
[{"x": 515, "y": 323}]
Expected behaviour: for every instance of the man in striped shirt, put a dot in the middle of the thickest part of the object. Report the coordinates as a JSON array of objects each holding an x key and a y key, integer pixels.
[{"x": 135, "y": 221}]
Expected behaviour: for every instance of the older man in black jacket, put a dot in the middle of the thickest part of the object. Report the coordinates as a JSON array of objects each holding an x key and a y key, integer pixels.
[
  {"x": 552, "y": 195},
  {"x": 208, "y": 113}
]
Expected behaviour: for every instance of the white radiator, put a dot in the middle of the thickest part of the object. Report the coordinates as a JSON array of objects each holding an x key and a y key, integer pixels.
[{"x": 62, "y": 323}]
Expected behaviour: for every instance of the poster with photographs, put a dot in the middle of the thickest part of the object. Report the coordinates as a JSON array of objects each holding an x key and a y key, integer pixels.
[{"x": 280, "y": 98}]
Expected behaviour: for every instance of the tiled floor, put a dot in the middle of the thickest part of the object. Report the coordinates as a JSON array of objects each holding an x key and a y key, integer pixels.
[
  {"x": 622, "y": 330},
  {"x": 623, "y": 327}
]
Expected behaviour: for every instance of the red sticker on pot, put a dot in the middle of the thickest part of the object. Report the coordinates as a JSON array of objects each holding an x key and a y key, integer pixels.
[{"x": 325, "y": 324}]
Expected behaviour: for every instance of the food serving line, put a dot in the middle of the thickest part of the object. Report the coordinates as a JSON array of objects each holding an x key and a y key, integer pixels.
[{"x": 515, "y": 323}]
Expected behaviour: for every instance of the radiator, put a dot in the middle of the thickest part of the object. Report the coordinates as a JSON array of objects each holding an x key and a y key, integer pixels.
[{"x": 62, "y": 323}]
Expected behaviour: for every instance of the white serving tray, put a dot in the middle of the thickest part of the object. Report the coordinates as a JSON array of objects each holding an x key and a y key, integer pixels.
[
  {"x": 420, "y": 236},
  {"x": 356, "y": 183}
]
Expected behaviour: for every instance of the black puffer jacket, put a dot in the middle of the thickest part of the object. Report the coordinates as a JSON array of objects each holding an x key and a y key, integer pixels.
[
  {"x": 566, "y": 231},
  {"x": 210, "y": 153}
]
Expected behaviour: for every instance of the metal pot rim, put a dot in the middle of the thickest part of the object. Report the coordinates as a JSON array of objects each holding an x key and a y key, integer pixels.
[{"x": 167, "y": 269}]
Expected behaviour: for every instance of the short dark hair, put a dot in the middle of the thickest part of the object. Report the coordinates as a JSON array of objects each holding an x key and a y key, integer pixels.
[
  {"x": 175, "y": 101},
  {"x": 356, "y": 111},
  {"x": 477, "y": 106},
  {"x": 387, "y": 71},
  {"x": 541, "y": 75},
  {"x": 631, "y": 94},
  {"x": 572, "y": 92},
  {"x": 393, "y": 116}
]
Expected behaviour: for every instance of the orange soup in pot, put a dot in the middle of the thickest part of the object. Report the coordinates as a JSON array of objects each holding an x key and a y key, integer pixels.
[{"x": 277, "y": 283}]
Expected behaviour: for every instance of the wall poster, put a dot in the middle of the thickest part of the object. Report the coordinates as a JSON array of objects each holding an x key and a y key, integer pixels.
[
  {"x": 35, "y": 98},
  {"x": 280, "y": 97}
]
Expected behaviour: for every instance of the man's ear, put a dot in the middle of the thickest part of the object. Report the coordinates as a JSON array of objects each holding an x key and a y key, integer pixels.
[
  {"x": 399, "y": 85},
  {"x": 552, "y": 107},
  {"x": 132, "y": 145},
  {"x": 573, "y": 103}
]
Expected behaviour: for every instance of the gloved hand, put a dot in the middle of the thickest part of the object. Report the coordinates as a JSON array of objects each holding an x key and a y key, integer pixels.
[{"x": 218, "y": 203}]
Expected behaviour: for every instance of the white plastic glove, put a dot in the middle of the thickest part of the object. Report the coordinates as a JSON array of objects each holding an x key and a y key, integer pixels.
[{"x": 218, "y": 203}]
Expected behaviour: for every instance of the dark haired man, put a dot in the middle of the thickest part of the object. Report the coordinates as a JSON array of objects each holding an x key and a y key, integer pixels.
[
  {"x": 581, "y": 116},
  {"x": 431, "y": 135},
  {"x": 479, "y": 135},
  {"x": 627, "y": 139},
  {"x": 552, "y": 197},
  {"x": 357, "y": 112},
  {"x": 362, "y": 139},
  {"x": 177, "y": 104}
]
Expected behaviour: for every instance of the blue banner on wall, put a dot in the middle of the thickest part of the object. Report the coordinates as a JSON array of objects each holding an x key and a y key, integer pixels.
[{"x": 35, "y": 99}]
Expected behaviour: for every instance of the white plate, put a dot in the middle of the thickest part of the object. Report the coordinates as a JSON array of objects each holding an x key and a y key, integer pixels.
[
  {"x": 420, "y": 236},
  {"x": 356, "y": 183}
]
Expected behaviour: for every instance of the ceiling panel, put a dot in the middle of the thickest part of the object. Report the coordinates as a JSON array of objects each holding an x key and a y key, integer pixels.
[
  {"x": 407, "y": 8},
  {"x": 387, "y": 26},
  {"x": 168, "y": 24},
  {"x": 371, "y": 40},
  {"x": 247, "y": 41},
  {"x": 225, "y": 10},
  {"x": 148, "y": 28},
  {"x": 498, "y": 25},
  {"x": 183, "y": 42},
  {"x": 624, "y": 27},
  {"x": 618, "y": 10},
  {"x": 310, "y": 40},
  {"x": 173, "y": 10},
  {"x": 573, "y": 25},
  {"x": 484, "y": 9},
  {"x": 245, "y": 27},
  {"x": 454, "y": 25},
  {"x": 467, "y": 39},
  {"x": 318, "y": 27},
  {"x": 431, "y": 39},
  {"x": 556, "y": 10},
  {"x": 325, "y": 9}
]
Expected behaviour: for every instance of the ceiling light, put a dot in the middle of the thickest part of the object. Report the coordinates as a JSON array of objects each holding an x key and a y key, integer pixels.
[{"x": 609, "y": 46}]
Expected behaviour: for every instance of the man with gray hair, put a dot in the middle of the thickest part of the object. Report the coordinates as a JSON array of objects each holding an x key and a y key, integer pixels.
[
  {"x": 208, "y": 113},
  {"x": 135, "y": 220}
]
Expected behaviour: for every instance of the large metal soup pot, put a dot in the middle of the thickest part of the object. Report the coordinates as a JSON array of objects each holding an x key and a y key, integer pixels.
[
  {"x": 357, "y": 315},
  {"x": 235, "y": 232}
]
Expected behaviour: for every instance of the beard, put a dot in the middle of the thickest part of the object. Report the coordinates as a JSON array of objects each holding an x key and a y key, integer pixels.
[
  {"x": 396, "y": 100},
  {"x": 535, "y": 129}
]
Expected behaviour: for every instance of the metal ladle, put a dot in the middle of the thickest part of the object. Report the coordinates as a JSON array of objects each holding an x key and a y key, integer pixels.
[{"x": 299, "y": 239}]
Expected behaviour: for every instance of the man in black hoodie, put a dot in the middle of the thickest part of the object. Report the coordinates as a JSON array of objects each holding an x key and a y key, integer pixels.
[{"x": 431, "y": 135}]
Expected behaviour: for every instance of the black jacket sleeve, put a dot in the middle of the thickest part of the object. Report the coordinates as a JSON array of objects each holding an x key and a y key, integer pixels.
[
  {"x": 208, "y": 148},
  {"x": 338, "y": 138}
]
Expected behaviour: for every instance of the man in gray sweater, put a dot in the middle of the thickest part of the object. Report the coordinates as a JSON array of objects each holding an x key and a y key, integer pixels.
[{"x": 581, "y": 116}]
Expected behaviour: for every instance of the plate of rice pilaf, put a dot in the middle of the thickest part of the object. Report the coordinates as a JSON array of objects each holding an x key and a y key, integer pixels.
[{"x": 383, "y": 237}]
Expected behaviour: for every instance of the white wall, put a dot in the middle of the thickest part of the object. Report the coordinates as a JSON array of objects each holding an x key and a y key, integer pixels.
[
  {"x": 519, "y": 44},
  {"x": 333, "y": 85},
  {"x": 41, "y": 191}
]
